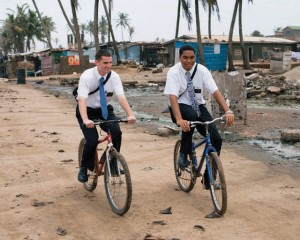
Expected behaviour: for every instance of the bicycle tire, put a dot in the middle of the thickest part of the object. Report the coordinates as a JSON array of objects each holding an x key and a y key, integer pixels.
[
  {"x": 118, "y": 187},
  {"x": 218, "y": 190},
  {"x": 185, "y": 179},
  {"x": 91, "y": 184}
]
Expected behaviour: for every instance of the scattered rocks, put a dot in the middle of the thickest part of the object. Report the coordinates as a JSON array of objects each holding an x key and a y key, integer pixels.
[
  {"x": 166, "y": 211},
  {"x": 61, "y": 231}
]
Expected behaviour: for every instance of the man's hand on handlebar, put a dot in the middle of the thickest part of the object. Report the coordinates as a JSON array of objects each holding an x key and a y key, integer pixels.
[
  {"x": 131, "y": 119},
  {"x": 88, "y": 123},
  {"x": 184, "y": 125}
]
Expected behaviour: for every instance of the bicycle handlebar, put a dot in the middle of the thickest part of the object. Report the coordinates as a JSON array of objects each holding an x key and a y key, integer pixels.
[
  {"x": 99, "y": 122},
  {"x": 195, "y": 123}
]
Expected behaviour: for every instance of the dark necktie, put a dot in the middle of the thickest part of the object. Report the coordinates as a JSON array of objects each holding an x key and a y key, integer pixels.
[
  {"x": 191, "y": 93},
  {"x": 103, "y": 99}
]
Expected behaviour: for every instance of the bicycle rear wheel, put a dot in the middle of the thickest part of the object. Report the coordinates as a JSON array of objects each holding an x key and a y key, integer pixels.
[
  {"x": 91, "y": 184},
  {"x": 218, "y": 190},
  {"x": 184, "y": 178},
  {"x": 118, "y": 185}
]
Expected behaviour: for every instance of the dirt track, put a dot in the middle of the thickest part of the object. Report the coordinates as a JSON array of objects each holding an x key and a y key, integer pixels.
[{"x": 35, "y": 127}]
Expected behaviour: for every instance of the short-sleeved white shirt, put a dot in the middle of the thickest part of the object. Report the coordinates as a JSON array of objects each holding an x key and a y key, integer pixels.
[
  {"x": 176, "y": 83},
  {"x": 89, "y": 81}
]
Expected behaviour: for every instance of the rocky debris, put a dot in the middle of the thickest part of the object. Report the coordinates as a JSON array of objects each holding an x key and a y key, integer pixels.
[
  {"x": 260, "y": 84},
  {"x": 290, "y": 135},
  {"x": 166, "y": 211}
]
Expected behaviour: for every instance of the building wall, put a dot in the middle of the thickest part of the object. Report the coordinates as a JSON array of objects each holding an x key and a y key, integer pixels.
[{"x": 215, "y": 54}]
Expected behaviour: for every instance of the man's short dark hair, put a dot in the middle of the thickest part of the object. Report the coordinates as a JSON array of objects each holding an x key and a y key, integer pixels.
[
  {"x": 186, "y": 47},
  {"x": 102, "y": 52}
]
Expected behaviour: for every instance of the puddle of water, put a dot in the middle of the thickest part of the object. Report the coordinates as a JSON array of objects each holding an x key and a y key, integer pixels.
[{"x": 285, "y": 151}]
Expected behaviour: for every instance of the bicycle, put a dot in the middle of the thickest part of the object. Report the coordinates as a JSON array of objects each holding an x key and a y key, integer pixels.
[
  {"x": 112, "y": 165},
  {"x": 187, "y": 177}
]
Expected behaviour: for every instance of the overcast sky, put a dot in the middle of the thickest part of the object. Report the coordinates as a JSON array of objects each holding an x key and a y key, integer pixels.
[{"x": 157, "y": 18}]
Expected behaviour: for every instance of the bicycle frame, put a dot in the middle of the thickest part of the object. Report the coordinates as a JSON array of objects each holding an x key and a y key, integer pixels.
[
  {"x": 107, "y": 138},
  {"x": 207, "y": 148}
]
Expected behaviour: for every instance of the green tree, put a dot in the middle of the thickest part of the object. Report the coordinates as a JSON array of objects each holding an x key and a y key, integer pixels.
[
  {"x": 95, "y": 25},
  {"x": 103, "y": 28},
  {"x": 199, "y": 37},
  {"x": 185, "y": 5},
  {"x": 212, "y": 7},
  {"x": 66, "y": 17},
  {"x": 123, "y": 21},
  {"x": 237, "y": 8},
  {"x": 46, "y": 30},
  {"x": 131, "y": 31},
  {"x": 74, "y": 6},
  {"x": 256, "y": 33},
  {"x": 111, "y": 32}
]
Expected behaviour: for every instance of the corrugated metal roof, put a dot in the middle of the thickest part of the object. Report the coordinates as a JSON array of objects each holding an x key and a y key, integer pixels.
[
  {"x": 293, "y": 27},
  {"x": 247, "y": 39}
]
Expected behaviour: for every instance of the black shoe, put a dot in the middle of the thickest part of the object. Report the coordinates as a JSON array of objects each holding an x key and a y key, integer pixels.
[
  {"x": 182, "y": 161},
  {"x": 82, "y": 175}
]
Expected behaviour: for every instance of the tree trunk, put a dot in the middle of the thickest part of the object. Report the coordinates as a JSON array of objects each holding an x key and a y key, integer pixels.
[
  {"x": 66, "y": 17},
  {"x": 109, "y": 15},
  {"x": 112, "y": 33},
  {"x": 77, "y": 35},
  {"x": 43, "y": 26},
  {"x": 199, "y": 38},
  {"x": 243, "y": 49},
  {"x": 230, "y": 50},
  {"x": 96, "y": 25},
  {"x": 178, "y": 19},
  {"x": 209, "y": 21}
]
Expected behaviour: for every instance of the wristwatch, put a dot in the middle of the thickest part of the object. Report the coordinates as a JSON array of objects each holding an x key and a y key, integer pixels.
[{"x": 229, "y": 111}]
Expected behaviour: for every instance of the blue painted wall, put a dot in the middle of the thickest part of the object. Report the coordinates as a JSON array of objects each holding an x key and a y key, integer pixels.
[{"x": 213, "y": 61}]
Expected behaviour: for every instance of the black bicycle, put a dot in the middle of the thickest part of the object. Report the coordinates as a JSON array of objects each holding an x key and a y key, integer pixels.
[
  {"x": 112, "y": 165},
  {"x": 187, "y": 177}
]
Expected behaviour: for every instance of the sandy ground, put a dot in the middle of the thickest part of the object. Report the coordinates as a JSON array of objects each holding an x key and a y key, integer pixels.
[{"x": 40, "y": 192}]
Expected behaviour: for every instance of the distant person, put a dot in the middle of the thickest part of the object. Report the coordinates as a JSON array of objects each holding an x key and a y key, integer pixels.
[
  {"x": 89, "y": 108},
  {"x": 187, "y": 102},
  {"x": 37, "y": 65}
]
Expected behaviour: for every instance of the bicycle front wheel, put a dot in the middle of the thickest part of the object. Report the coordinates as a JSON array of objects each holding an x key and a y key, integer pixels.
[
  {"x": 91, "y": 184},
  {"x": 184, "y": 178},
  {"x": 218, "y": 190},
  {"x": 117, "y": 182}
]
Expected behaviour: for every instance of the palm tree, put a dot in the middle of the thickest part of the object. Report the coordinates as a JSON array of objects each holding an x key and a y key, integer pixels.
[
  {"x": 123, "y": 22},
  {"x": 96, "y": 27},
  {"x": 244, "y": 54},
  {"x": 131, "y": 31},
  {"x": 212, "y": 7},
  {"x": 230, "y": 50},
  {"x": 185, "y": 4},
  {"x": 66, "y": 17},
  {"x": 74, "y": 5},
  {"x": 103, "y": 28},
  {"x": 46, "y": 31},
  {"x": 90, "y": 29},
  {"x": 112, "y": 33},
  {"x": 110, "y": 7},
  {"x": 199, "y": 38}
]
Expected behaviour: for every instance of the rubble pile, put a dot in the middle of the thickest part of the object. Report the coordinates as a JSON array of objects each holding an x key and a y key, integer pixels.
[{"x": 282, "y": 87}]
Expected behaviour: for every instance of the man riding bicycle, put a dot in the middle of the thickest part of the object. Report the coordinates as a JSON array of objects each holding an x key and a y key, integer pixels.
[
  {"x": 185, "y": 84},
  {"x": 95, "y": 89}
]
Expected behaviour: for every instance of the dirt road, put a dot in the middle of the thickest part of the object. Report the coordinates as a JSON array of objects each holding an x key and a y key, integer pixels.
[{"x": 40, "y": 193}]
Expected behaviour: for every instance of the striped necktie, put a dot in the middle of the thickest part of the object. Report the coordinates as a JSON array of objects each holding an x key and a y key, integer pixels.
[{"x": 191, "y": 93}]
